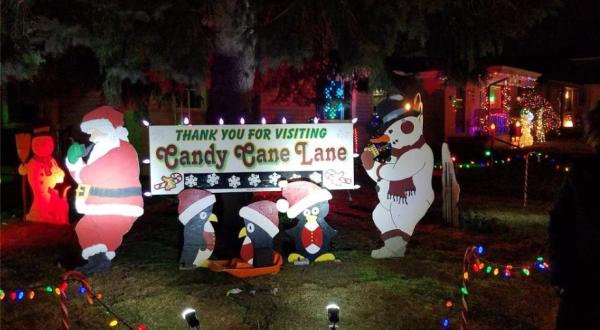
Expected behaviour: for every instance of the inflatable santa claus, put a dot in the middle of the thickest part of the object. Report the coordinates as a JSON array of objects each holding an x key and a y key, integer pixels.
[{"x": 109, "y": 193}]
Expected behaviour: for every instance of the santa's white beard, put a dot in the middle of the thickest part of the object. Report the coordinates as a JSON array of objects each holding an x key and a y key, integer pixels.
[{"x": 102, "y": 145}]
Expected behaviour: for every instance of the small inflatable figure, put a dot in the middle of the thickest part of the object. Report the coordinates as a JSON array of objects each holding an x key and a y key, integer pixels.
[{"x": 43, "y": 173}]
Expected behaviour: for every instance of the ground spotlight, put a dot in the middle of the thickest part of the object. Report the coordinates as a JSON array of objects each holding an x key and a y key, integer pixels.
[
  {"x": 333, "y": 314},
  {"x": 189, "y": 315},
  {"x": 146, "y": 122}
]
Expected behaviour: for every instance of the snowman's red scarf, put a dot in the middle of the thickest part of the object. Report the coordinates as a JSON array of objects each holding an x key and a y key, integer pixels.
[
  {"x": 400, "y": 189},
  {"x": 46, "y": 163}
]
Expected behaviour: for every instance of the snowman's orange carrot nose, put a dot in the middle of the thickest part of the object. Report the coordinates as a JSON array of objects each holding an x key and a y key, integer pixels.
[{"x": 381, "y": 139}]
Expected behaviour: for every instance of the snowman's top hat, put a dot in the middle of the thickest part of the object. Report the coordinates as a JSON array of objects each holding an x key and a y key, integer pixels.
[{"x": 391, "y": 109}]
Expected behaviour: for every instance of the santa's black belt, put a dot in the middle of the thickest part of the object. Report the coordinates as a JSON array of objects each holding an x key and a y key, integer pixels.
[{"x": 84, "y": 190}]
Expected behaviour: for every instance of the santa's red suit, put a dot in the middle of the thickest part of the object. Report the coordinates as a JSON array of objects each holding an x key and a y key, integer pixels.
[{"x": 109, "y": 191}]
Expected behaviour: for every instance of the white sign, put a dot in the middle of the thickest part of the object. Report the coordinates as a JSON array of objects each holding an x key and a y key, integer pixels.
[{"x": 236, "y": 158}]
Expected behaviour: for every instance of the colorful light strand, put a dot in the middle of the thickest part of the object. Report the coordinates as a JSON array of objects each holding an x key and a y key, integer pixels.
[
  {"x": 474, "y": 261},
  {"x": 31, "y": 293},
  {"x": 507, "y": 160}
]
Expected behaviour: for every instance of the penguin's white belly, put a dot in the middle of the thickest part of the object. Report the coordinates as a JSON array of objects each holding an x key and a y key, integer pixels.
[{"x": 312, "y": 249}]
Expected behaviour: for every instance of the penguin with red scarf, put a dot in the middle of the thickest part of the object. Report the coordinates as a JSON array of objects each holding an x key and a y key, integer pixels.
[
  {"x": 404, "y": 179},
  {"x": 309, "y": 204},
  {"x": 195, "y": 214},
  {"x": 261, "y": 221}
]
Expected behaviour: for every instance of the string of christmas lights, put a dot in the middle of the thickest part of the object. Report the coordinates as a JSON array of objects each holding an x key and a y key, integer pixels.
[
  {"x": 334, "y": 100},
  {"x": 473, "y": 261},
  {"x": 484, "y": 110},
  {"x": 546, "y": 119},
  {"x": 486, "y": 161},
  {"x": 30, "y": 293},
  {"x": 506, "y": 100}
]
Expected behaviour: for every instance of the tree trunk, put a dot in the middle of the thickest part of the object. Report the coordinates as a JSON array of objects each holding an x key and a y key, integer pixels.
[
  {"x": 232, "y": 72},
  {"x": 230, "y": 97},
  {"x": 111, "y": 87}
]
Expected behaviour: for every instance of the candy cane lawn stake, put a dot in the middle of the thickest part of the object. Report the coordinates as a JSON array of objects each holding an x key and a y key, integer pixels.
[
  {"x": 464, "y": 308},
  {"x": 63, "y": 294},
  {"x": 525, "y": 185}
]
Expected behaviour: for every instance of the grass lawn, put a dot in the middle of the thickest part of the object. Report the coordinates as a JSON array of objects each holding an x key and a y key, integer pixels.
[{"x": 146, "y": 286}]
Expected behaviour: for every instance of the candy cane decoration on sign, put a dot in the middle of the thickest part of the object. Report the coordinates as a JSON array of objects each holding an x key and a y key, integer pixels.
[{"x": 169, "y": 182}]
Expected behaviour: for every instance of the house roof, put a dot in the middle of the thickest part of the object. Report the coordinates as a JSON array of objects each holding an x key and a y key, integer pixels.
[{"x": 510, "y": 70}]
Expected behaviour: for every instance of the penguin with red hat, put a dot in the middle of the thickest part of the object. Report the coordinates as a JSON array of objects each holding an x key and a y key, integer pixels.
[
  {"x": 312, "y": 235},
  {"x": 261, "y": 221},
  {"x": 195, "y": 213},
  {"x": 109, "y": 192}
]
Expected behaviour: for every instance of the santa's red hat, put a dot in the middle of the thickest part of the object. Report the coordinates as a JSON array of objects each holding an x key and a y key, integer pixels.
[
  {"x": 102, "y": 118},
  {"x": 192, "y": 202},
  {"x": 264, "y": 214},
  {"x": 300, "y": 195}
]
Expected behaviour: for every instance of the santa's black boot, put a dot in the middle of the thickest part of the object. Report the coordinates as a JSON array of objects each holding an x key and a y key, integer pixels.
[{"x": 98, "y": 263}]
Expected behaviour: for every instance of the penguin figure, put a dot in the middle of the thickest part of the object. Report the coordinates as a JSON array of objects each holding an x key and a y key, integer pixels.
[
  {"x": 195, "y": 213},
  {"x": 312, "y": 235},
  {"x": 261, "y": 220}
]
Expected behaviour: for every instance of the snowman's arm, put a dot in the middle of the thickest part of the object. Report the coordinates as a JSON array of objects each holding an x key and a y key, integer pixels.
[
  {"x": 406, "y": 166},
  {"x": 58, "y": 173},
  {"x": 373, "y": 171}
]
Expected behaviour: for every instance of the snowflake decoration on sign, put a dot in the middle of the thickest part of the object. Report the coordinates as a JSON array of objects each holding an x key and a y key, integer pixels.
[
  {"x": 316, "y": 177},
  {"x": 191, "y": 181},
  {"x": 234, "y": 181},
  {"x": 295, "y": 176},
  {"x": 254, "y": 180},
  {"x": 212, "y": 179},
  {"x": 274, "y": 178}
]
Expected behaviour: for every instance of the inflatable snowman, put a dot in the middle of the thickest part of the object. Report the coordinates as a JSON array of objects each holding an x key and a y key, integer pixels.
[
  {"x": 404, "y": 179},
  {"x": 43, "y": 174}
]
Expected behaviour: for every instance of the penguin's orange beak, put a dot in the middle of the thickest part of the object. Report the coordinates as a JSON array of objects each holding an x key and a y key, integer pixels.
[
  {"x": 382, "y": 139},
  {"x": 311, "y": 218}
]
